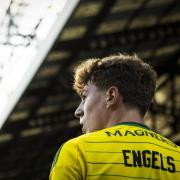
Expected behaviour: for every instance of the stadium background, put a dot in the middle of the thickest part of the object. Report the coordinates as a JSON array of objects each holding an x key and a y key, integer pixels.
[{"x": 43, "y": 118}]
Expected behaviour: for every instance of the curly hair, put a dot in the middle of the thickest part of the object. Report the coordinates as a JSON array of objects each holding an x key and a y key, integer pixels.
[{"x": 135, "y": 79}]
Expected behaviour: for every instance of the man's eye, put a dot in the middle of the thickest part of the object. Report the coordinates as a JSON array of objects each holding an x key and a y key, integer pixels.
[{"x": 83, "y": 97}]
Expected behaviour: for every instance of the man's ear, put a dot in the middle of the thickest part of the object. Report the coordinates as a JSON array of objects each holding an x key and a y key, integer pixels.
[{"x": 112, "y": 96}]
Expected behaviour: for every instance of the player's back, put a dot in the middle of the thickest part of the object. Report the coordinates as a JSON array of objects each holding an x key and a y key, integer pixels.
[{"x": 130, "y": 151}]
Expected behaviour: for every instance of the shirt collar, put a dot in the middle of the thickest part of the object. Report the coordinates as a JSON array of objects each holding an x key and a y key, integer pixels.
[{"x": 132, "y": 124}]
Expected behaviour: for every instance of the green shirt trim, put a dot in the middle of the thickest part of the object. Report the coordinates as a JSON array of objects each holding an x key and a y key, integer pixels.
[
  {"x": 132, "y": 124},
  {"x": 56, "y": 156}
]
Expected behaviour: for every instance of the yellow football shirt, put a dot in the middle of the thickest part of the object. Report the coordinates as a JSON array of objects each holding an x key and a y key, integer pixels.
[{"x": 125, "y": 151}]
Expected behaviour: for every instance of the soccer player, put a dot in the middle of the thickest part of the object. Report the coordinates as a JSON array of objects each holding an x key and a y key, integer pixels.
[{"x": 116, "y": 92}]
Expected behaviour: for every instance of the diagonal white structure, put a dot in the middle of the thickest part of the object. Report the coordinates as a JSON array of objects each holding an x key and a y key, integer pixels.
[{"x": 28, "y": 29}]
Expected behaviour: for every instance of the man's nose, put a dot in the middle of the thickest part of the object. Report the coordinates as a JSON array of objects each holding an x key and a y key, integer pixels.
[{"x": 79, "y": 112}]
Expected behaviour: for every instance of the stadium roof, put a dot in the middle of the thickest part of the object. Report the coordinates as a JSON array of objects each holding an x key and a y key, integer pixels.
[{"x": 43, "y": 117}]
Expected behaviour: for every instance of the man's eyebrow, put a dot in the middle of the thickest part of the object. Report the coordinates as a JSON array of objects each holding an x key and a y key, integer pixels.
[{"x": 83, "y": 92}]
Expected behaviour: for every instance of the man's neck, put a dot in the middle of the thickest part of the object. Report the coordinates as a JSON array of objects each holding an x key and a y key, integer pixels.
[{"x": 127, "y": 116}]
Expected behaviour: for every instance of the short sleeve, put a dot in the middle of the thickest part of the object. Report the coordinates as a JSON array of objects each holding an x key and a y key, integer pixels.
[{"x": 69, "y": 162}]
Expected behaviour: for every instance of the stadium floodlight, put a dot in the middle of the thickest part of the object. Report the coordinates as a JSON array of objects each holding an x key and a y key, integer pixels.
[{"x": 28, "y": 29}]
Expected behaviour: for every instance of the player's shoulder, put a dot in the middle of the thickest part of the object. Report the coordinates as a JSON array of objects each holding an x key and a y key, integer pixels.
[{"x": 87, "y": 137}]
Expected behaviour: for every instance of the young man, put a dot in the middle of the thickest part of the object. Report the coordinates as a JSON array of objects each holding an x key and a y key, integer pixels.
[{"x": 116, "y": 92}]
